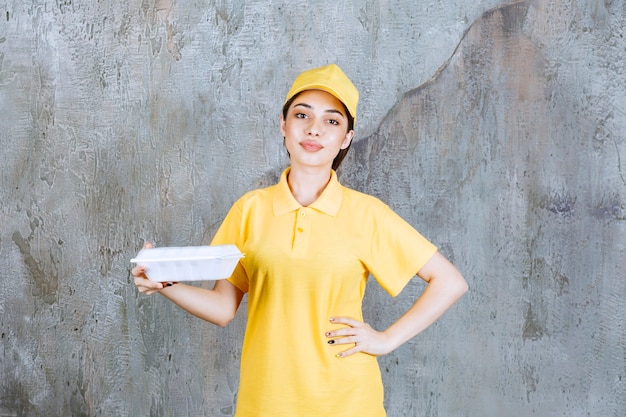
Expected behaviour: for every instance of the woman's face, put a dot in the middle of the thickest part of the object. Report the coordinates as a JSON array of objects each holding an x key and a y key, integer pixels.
[{"x": 315, "y": 129}]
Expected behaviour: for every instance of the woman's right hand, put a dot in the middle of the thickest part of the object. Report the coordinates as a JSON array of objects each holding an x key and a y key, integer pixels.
[
  {"x": 143, "y": 284},
  {"x": 218, "y": 305}
]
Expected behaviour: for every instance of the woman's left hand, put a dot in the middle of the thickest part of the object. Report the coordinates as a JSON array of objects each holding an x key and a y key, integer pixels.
[
  {"x": 445, "y": 286},
  {"x": 364, "y": 338}
]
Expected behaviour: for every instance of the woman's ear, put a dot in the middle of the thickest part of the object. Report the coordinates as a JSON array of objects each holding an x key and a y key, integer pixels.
[
  {"x": 347, "y": 140},
  {"x": 282, "y": 125}
]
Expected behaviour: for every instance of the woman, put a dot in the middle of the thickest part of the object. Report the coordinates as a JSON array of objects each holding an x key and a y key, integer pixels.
[{"x": 310, "y": 245}]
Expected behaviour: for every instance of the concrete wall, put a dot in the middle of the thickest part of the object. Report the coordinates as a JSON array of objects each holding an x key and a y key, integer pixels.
[{"x": 497, "y": 130}]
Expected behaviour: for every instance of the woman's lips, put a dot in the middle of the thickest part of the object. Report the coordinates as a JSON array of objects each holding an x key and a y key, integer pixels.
[{"x": 310, "y": 145}]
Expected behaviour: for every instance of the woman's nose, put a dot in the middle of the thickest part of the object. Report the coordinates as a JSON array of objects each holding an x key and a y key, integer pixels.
[{"x": 315, "y": 127}]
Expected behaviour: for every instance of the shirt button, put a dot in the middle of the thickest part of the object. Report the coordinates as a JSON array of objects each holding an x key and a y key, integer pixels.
[
  {"x": 300, "y": 229},
  {"x": 302, "y": 214}
]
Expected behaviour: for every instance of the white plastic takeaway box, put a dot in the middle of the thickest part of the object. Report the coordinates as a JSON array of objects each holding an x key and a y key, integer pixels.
[{"x": 189, "y": 263}]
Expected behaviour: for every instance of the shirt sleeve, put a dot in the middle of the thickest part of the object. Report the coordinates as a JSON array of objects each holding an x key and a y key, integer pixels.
[
  {"x": 231, "y": 231},
  {"x": 397, "y": 252}
]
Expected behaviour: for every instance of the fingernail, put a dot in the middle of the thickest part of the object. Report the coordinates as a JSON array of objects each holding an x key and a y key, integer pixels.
[
  {"x": 330, "y": 342},
  {"x": 332, "y": 319},
  {"x": 327, "y": 334}
]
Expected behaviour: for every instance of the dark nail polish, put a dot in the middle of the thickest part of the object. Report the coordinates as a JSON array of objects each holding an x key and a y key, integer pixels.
[{"x": 330, "y": 342}]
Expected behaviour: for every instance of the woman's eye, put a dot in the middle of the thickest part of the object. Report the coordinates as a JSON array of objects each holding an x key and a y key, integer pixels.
[
  {"x": 300, "y": 115},
  {"x": 333, "y": 122}
]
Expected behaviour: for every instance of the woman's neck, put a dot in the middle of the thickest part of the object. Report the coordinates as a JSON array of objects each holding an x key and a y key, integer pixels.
[{"x": 307, "y": 185}]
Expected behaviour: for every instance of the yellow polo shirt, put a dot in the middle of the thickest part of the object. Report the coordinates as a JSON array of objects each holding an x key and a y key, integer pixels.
[{"x": 302, "y": 266}]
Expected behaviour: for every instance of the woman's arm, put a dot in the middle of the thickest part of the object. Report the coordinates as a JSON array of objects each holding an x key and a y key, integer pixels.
[
  {"x": 217, "y": 306},
  {"x": 445, "y": 286}
]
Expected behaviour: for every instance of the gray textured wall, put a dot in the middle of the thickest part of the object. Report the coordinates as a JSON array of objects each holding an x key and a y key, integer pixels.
[{"x": 497, "y": 130}]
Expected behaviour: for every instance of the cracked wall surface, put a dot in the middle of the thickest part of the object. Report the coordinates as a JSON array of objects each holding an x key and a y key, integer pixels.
[{"x": 496, "y": 129}]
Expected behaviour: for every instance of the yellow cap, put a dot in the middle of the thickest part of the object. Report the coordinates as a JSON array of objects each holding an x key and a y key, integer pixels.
[{"x": 331, "y": 79}]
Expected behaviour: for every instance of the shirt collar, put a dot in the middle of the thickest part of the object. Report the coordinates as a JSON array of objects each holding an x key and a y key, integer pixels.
[{"x": 328, "y": 203}]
